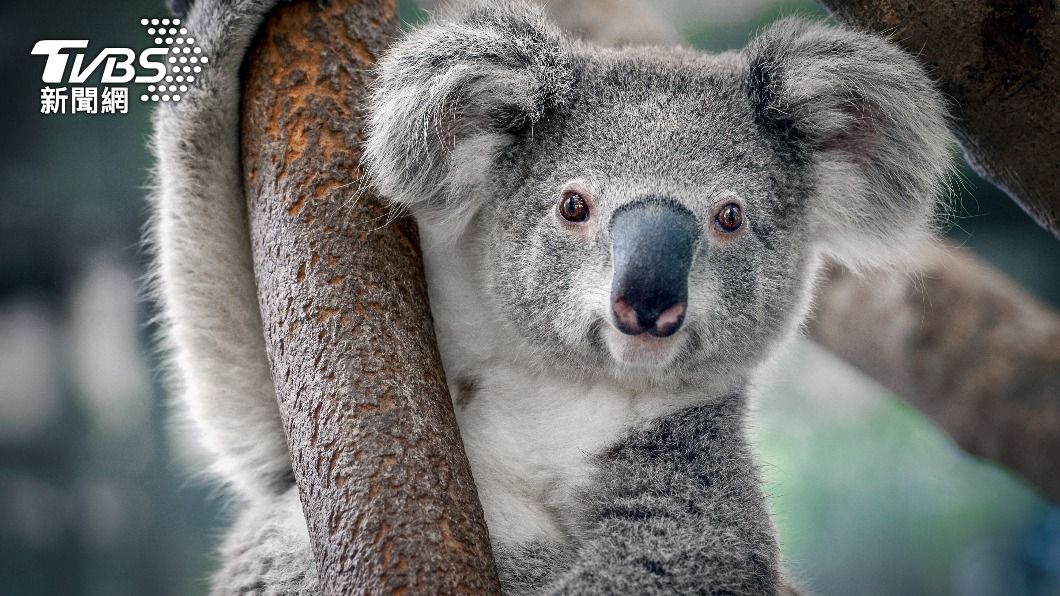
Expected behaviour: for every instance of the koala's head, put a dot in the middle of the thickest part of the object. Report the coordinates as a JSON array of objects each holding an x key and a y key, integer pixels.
[{"x": 649, "y": 212}]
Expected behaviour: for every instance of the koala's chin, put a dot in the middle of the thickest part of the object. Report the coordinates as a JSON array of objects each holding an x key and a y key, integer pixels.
[{"x": 643, "y": 351}]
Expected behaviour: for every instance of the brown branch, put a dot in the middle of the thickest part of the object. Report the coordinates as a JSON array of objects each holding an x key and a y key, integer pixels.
[
  {"x": 385, "y": 485},
  {"x": 1000, "y": 62},
  {"x": 965, "y": 345}
]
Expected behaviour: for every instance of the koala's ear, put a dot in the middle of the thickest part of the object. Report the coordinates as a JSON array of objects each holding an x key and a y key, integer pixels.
[
  {"x": 869, "y": 122},
  {"x": 452, "y": 95}
]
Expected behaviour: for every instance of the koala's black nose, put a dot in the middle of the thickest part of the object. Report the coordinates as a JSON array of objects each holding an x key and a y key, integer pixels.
[{"x": 652, "y": 243}]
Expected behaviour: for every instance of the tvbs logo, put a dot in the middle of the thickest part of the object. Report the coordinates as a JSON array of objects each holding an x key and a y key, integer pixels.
[
  {"x": 167, "y": 69},
  {"x": 119, "y": 64}
]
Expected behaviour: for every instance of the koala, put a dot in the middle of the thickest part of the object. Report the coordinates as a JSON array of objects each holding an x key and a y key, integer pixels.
[{"x": 615, "y": 241}]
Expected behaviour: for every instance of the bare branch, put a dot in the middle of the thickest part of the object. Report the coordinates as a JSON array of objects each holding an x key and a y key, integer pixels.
[
  {"x": 964, "y": 344},
  {"x": 385, "y": 485}
]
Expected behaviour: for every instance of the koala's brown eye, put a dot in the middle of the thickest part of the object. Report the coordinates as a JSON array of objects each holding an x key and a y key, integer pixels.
[
  {"x": 730, "y": 218},
  {"x": 573, "y": 207}
]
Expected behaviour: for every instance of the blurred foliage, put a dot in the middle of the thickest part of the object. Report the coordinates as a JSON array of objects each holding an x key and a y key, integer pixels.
[
  {"x": 869, "y": 496},
  {"x": 875, "y": 496},
  {"x": 719, "y": 37},
  {"x": 85, "y": 508}
]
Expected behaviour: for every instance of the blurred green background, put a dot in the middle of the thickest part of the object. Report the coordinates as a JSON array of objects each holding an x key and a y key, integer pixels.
[{"x": 869, "y": 496}]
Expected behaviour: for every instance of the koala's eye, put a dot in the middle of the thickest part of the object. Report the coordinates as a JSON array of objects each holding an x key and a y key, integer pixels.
[
  {"x": 730, "y": 217},
  {"x": 573, "y": 208}
]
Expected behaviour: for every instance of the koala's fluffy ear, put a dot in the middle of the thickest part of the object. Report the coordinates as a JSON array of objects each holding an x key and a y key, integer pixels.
[
  {"x": 872, "y": 126},
  {"x": 452, "y": 95}
]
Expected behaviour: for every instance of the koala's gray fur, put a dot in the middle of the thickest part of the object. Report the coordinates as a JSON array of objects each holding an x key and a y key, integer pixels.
[
  {"x": 204, "y": 280},
  {"x": 605, "y": 462},
  {"x": 676, "y": 509},
  {"x": 267, "y": 552}
]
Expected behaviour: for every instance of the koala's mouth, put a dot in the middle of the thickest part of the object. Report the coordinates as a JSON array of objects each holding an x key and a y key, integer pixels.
[{"x": 642, "y": 350}]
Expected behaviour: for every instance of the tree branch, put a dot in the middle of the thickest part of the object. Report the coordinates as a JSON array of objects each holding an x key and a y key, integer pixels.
[
  {"x": 385, "y": 485},
  {"x": 965, "y": 345},
  {"x": 1000, "y": 62}
]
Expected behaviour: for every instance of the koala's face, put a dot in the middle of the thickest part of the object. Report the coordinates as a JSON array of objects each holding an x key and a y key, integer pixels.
[
  {"x": 652, "y": 230},
  {"x": 655, "y": 214}
]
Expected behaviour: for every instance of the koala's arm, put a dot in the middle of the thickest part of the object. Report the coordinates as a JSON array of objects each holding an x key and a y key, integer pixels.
[
  {"x": 675, "y": 508},
  {"x": 203, "y": 275},
  {"x": 267, "y": 552}
]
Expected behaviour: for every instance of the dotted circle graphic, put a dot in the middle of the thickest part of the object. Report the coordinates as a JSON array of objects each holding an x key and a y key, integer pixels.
[{"x": 183, "y": 57}]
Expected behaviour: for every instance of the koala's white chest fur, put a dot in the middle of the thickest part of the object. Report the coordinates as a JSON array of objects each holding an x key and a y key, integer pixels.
[{"x": 530, "y": 440}]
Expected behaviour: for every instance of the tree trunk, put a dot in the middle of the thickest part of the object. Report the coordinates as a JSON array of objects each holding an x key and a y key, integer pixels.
[
  {"x": 1000, "y": 63},
  {"x": 384, "y": 481}
]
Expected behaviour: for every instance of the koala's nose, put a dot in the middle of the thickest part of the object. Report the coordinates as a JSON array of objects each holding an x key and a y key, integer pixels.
[{"x": 652, "y": 244}]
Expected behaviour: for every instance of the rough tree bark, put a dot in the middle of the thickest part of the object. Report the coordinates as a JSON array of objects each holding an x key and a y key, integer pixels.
[
  {"x": 1000, "y": 62},
  {"x": 385, "y": 485}
]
